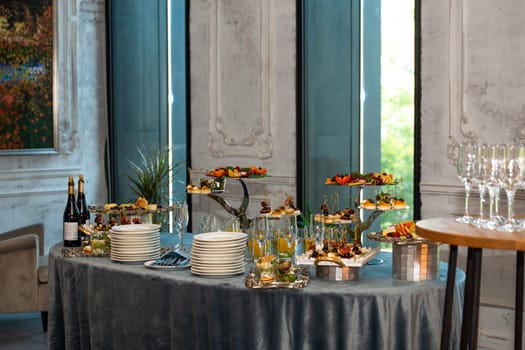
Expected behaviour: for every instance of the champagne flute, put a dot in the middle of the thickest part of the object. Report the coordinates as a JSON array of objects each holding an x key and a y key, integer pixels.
[
  {"x": 466, "y": 169},
  {"x": 181, "y": 221},
  {"x": 290, "y": 233},
  {"x": 490, "y": 169},
  {"x": 257, "y": 239},
  {"x": 481, "y": 179},
  {"x": 318, "y": 231},
  {"x": 510, "y": 178},
  {"x": 261, "y": 233}
]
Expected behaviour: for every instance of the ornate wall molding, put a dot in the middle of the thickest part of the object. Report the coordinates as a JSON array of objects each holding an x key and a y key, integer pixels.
[
  {"x": 480, "y": 92},
  {"x": 92, "y": 10},
  {"x": 458, "y": 120},
  {"x": 239, "y": 50},
  {"x": 65, "y": 75}
]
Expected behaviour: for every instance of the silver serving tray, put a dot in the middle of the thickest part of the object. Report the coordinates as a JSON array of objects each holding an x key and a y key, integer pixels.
[{"x": 252, "y": 281}]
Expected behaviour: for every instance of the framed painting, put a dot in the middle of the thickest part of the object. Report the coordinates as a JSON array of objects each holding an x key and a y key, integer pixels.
[{"x": 28, "y": 121}]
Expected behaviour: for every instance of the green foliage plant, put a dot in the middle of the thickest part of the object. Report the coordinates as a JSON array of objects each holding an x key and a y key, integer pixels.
[{"x": 151, "y": 174}]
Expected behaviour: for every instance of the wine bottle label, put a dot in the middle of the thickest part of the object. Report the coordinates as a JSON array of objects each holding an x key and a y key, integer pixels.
[{"x": 70, "y": 231}]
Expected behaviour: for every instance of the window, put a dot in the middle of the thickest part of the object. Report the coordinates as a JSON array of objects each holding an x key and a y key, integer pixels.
[
  {"x": 147, "y": 88},
  {"x": 358, "y": 97}
]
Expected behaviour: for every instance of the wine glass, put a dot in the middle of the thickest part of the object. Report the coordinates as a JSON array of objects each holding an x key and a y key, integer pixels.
[
  {"x": 490, "y": 170},
  {"x": 318, "y": 231},
  {"x": 290, "y": 233},
  {"x": 481, "y": 179},
  {"x": 257, "y": 238},
  {"x": 510, "y": 179},
  {"x": 180, "y": 210},
  {"x": 261, "y": 233},
  {"x": 466, "y": 168}
]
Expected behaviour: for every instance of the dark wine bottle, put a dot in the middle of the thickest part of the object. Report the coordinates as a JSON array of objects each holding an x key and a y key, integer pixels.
[
  {"x": 71, "y": 218},
  {"x": 83, "y": 209}
]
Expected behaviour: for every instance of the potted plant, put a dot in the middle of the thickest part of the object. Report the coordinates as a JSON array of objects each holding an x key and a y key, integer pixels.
[{"x": 151, "y": 174}]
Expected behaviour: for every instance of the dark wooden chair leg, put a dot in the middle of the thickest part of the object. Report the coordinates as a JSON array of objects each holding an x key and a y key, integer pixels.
[
  {"x": 449, "y": 297},
  {"x": 518, "y": 316},
  {"x": 43, "y": 314}
]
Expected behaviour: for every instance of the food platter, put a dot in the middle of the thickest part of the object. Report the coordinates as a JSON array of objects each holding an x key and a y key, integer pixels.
[
  {"x": 253, "y": 280},
  {"x": 355, "y": 261},
  {"x": 360, "y": 179},
  {"x": 236, "y": 172},
  {"x": 353, "y": 183},
  {"x": 378, "y": 236}
]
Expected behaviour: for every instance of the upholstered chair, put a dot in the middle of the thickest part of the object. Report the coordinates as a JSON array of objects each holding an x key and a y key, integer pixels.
[{"x": 23, "y": 271}]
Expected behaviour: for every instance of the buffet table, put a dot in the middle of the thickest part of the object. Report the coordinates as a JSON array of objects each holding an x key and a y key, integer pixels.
[{"x": 99, "y": 304}]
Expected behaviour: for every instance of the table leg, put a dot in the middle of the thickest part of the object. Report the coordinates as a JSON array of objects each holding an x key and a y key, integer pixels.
[
  {"x": 471, "y": 300},
  {"x": 449, "y": 297},
  {"x": 518, "y": 316},
  {"x": 476, "y": 287}
]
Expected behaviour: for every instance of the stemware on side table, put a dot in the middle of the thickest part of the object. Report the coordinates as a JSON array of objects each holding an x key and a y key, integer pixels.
[
  {"x": 467, "y": 171},
  {"x": 494, "y": 168}
]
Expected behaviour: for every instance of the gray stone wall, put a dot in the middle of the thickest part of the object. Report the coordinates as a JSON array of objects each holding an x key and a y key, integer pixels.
[{"x": 33, "y": 188}]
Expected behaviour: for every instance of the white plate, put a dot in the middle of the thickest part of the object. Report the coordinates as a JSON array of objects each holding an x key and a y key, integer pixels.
[
  {"x": 135, "y": 240},
  {"x": 218, "y": 268},
  {"x": 137, "y": 245},
  {"x": 150, "y": 265},
  {"x": 220, "y": 236},
  {"x": 218, "y": 251},
  {"x": 135, "y": 228},
  {"x": 217, "y": 273},
  {"x": 151, "y": 254},
  {"x": 219, "y": 246},
  {"x": 135, "y": 251},
  {"x": 232, "y": 260},
  {"x": 224, "y": 269},
  {"x": 219, "y": 260},
  {"x": 136, "y": 256},
  {"x": 133, "y": 258},
  {"x": 134, "y": 234},
  {"x": 128, "y": 240}
]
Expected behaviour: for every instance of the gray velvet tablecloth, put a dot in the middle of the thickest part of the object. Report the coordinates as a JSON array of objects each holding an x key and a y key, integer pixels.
[{"x": 95, "y": 303}]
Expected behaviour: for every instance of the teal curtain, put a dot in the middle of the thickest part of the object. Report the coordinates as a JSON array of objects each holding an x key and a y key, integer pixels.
[
  {"x": 331, "y": 96},
  {"x": 139, "y": 85}
]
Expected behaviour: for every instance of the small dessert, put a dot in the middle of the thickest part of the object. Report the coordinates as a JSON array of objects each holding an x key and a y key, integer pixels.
[
  {"x": 289, "y": 205},
  {"x": 399, "y": 203},
  {"x": 368, "y": 204},
  {"x": 278, "y": 212},
  {"x": 254, "y": 170},
  {"x": 110, "y": 206},
  {"x": 266, "y": 268},
  {"x": 265, "y": 208},
  {"x": 403, "y": 230},
  {"x": 348, "y": 214},
  {"x": 141, "y": 202},
  {"x": 325, "y": 210},
  {"x": 382, "y": 205}
]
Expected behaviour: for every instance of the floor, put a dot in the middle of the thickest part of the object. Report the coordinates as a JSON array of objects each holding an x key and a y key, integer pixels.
[{"x": 22, "y": 332}]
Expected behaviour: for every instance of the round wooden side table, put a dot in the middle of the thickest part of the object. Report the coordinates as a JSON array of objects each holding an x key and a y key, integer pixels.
[{"x": 447, "y": 230}]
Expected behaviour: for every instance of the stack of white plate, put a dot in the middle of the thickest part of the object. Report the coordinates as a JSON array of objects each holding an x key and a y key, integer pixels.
[
  {"x": 218, "y": 253},
  {"x": 135, "y": 243}
]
